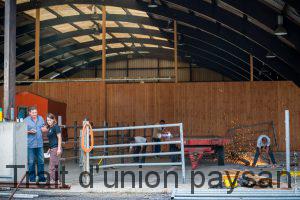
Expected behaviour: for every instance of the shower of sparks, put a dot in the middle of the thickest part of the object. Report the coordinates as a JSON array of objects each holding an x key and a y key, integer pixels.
[{"x": 242, "y": 148}]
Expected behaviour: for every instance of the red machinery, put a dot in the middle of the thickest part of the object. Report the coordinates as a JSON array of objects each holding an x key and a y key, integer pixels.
[{"x": 196, "y": 147}]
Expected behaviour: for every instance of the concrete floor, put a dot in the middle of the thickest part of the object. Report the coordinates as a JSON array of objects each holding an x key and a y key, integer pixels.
[{"x": 99, "y": 190}]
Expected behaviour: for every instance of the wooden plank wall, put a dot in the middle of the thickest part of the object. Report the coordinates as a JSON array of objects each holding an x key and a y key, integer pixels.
[{"x": 204, "y": 108}]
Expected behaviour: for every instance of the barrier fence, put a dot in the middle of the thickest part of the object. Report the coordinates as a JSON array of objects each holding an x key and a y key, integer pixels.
[{"x": 106, "y": 131}]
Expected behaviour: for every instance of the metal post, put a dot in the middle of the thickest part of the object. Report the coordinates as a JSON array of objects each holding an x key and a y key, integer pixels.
[
  {"x": 103, "y": 42},
  {"x": 175, "y": 51},
  {"x": 133, "y": 131},
  {"x": 182, "y": 152},
  {"x": 122, "y": 140},
  {"x": 152, "y": 133},
  {"x": 274, "y": 135},
  {"x": 86, "y": 159},
  {"x": 105, "y": 143},
  {"x": 158, "y": 70},
  {"x": 9, "y": 57},
  {"x": 145, "y": 131},
  {"x": 118, "y": 141},
  {"x": 287, "y": 141},
  {"x": 251, "y": 68},
  {"x": 75, "y": 142},
  {"x": 37, "y": 45},
  {"x": 104, "y": 59}
]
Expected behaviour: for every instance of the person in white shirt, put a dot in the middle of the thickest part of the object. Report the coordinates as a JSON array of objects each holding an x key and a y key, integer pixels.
[
  {"x": 263, "y": 144},
  {"x": 138, "y": 149},
  {"x": 157, "y": 136}
]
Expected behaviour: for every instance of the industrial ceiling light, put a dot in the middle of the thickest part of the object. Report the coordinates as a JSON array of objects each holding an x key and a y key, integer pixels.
[
  {"x": 270, "y": 55},
  {"x": 280, "y": 30},
  {"x": 152, "y": 4}
]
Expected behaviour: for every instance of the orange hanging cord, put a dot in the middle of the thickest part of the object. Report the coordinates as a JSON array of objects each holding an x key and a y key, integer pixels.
[{"x": 91, "y": 133}]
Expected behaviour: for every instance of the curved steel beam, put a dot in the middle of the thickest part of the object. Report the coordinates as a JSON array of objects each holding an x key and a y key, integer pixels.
[
  {"x": 253, "y": 8},
  {"x": 28, "y": 28},
  {"x": 76, "y": 46},
  {"x": 63, "y": 36},
  {"x": 267, "y": 16},
  {"x": 92, "y": 55},
  {"x": 84, "y": 17},
  {"x": 243, "y": 28},
  {"x": 181, "y": 16},
  {"x": 218, "y": 56},
  {"x": 252, "y": 31},
  {"x": 50, "y": 39}
]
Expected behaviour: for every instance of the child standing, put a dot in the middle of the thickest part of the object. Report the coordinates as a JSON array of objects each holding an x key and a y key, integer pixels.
[{"x": 55, "y": 149}]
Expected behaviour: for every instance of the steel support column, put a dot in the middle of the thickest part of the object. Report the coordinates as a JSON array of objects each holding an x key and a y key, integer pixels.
[
  {"x": 37, "y": 44},
  {"x": 9, "y": 58},
  {"x": 175, "y": 52},
  {"x": 251, "y": 68}
]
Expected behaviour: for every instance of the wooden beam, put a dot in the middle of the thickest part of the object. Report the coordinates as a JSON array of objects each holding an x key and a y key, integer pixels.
[
  {"x": 191, "y": 72},
  {"x": 251, "y": 68},
  {"x": 37, "y": 45},
  {"x": 104, "y": 61},
  {"x": 104, "y": 42},
  {"x": 9, "y": 58},
  {"x": 175, "y": 52},
  {"x": 158, "y": 68}
]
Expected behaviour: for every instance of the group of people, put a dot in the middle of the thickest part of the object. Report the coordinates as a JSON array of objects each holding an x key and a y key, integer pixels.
[
  {"x": 162, "y": 133},
  {"x": 36, "y": 127},
  {"x": 159, "y": 134}
]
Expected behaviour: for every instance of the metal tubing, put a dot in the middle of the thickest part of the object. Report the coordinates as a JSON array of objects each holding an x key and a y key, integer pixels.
[
  {"x": 137, "y": 164},
  {"x": 9, "y": 87},
  {"x": 274, "y": 135},
  {"x": 239, "y": 198},
  {"x": 20, "y": 196},
  {"x": 182, "y": 152},
  {"x": 105, "y": 143},
  {"x": 134, "y": 127},
  {"x": 75, "y": 145},
  {"x": 123, "y": 151},
  {"x": 237, "y": 194},
  {"x": 287, "y": 141},
  {"x": 137, "y": 155},
  {"x": 105, "y": 146},
  {"x": 139, "y": 144},
  {"x": 88, "y": 80}
]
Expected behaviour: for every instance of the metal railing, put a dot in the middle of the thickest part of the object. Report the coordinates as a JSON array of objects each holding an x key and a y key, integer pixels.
[{"x": 105, "y": 131}]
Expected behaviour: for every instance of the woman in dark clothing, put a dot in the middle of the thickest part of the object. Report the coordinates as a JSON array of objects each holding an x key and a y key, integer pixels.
[{"x": 55, "y": 149}]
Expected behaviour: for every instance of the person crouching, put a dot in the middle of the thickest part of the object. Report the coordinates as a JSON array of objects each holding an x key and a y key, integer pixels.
[{"x": 138, "y": 149}]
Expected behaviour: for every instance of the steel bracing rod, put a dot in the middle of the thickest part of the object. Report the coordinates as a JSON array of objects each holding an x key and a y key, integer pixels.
[
  {"x": 192, "y": 49},
  {"x": 135, "y": 155},
  {"x": 51, "y": 39},
  {"x": 205, "y": 8},
  {"x": 267, "y": 16},
  {"x": 232, "y": 20},
  {"x": 137, "y": 164},
  {"x": 48, "y": 40},
  {"x": 57, "y": 51}
]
